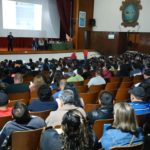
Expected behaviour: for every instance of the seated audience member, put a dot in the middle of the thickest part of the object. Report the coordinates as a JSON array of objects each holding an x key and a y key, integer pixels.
[
  {"x": 97, "y": 80},
  {"x": 45, "y": 101},
  {"x": 66, "y": 103},
  {"x": 78, "y": 100},
  {"x": 18, "y": 85},
  {"x": 4, "y": 110},
  {"x": 38, "y": 80},
  {"x": 135, "y": 70},
  {"x": 124, "y": 130},
  {"x": 106, "y": 73},
  {"x": 105, "y": 111},
  {"x": 146, "y": 83},
  {"x": 73, "y": 135},
  {"x": 22, "y": 121},
  {"x": 138, "y": 101},
  {"x": 76, "y": 77},
  {"x": 61, "y": 87}
]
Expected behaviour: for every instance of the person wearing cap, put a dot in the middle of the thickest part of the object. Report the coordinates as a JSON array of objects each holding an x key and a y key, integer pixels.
[
  {"x": 4, "y": 110},
  {"x": 138, "y": 101}
]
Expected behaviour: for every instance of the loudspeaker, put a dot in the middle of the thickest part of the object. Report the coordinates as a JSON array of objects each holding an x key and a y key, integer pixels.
[{"x": 92, "y": 22}]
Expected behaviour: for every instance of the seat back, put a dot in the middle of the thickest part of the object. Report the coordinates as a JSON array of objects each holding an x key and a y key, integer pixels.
[
  {"x": 96, "y": 88},
  {"x": 112, "y": 85},
  {"x": 82, "y": 89},
  {"x": 4, "y": 120},
  {"x": 98, "y": 126},
  {"x": 26, "y": 140},
  {"x": 19, "y": 95},
  {"x": 122, "y": 95},
  {"x": 12, "y": 102},
  {"x": 89, "y": 98},
  {"x": 42, "y": 114},
  {"x": 129, "y": 147},
  {"x": 90, "y": 107}
]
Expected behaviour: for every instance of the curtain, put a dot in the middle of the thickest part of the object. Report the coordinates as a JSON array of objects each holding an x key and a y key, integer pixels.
[{"x": 64, "y": 9}]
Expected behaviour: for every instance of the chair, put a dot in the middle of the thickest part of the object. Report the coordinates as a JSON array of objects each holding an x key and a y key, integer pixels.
[
  {"x": 115, "y": 79},
  {"x": 127, "y": 79},
  {"x": 42, "y": 114},
  {"x": 19, "y": 95},
  {"x": 26, "y": 140},
  {"x": 82, "y": 89},
  {"x": 33, "y": 94},
  {"x": 12, "y": 102},
  {"x": 129, "y": 147},
  {"x": 79, "y": 83},
  {"x": 122, "y": 95},
  {"x": 86, "y": 81},
  {"x": 89, "y": 98},
  {"x": 98, "y": 126},
  {"x": 126, "y": 84},
  {"x": 90, "y": 107},
  {"x": 96, "y": 88},
  {"x": 112, "y": 85},
  {"x": 3, "y": 120}
]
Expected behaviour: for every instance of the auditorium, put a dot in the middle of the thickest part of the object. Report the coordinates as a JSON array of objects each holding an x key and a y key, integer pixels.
[{"x": 74, "y": 75}]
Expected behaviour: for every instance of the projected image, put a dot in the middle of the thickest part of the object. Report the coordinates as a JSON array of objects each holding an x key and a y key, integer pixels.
[{"x": 20, "y": 15}]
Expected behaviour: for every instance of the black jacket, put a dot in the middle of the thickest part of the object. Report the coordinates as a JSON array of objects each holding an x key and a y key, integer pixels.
[{"x": 103, "y": 112}]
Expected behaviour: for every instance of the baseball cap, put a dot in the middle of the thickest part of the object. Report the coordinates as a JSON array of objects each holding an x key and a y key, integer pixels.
[
  {"x": 3, "y": 99},
  {"x": 138, "y": 92}
]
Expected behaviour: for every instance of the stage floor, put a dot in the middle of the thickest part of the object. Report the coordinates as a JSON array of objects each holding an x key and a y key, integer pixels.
[{"x": 50, "y": 54}]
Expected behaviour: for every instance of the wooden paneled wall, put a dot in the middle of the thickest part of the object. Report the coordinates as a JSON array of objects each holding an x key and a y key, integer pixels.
[{"x": 18, "y": 42}]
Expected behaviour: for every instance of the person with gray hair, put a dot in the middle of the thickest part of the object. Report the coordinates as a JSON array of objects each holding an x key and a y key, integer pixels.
[{"x": 66, "y": 102}]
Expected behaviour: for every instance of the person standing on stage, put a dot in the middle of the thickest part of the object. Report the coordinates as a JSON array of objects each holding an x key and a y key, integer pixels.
[{"x": 10, "y": 41}]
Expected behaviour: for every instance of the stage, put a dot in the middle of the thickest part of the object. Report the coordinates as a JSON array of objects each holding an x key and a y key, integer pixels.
[{"x": 26, "y": 54}]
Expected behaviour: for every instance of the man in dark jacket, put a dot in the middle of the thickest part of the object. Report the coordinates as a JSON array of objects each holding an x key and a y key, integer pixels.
[{"x": 106, "y": 109}]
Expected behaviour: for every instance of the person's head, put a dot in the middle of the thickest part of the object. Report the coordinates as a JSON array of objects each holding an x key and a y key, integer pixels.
[
  {"x": 62, "y": 84},
  {"x": 77, "y": 101},
  {"x": 124, "y": 117},
  {"x": 67, "y": 97},
  {"x": 10, "y": 33},
  {"x": 20, "y": 113},
  {"x": 106, "y": 98},
  {"x": 137, "y": 94},
  {"x": 18, "y": 78},
  {"x": 3, "y": 99},
  {"x": 38, "y": 81},
  {"x": 98, "y": 72},
  {"x": 147, "y": 73},
  {"x": 75, "y": 135},
  {"x": 44, "y": 93}
]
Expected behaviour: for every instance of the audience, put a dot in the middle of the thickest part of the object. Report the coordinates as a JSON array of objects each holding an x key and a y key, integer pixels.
[
  {"x": 18, "y": 85},
  {"x": 124, "y": 130},
  {"x": 22, "y": 121},
  {"x": 4, "y": 109},
  {"x": 97, "y": 80},
  {"x": 73, "y": 135},
  {"x": 138, "y": 101},
  {"x": 105, "y": 111},
  {"x": 66, "y": 103},
  {"x": 45, "y": 101}
]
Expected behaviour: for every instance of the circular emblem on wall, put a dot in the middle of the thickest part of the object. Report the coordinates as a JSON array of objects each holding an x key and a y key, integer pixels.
[{"x": 130, "y": 12}]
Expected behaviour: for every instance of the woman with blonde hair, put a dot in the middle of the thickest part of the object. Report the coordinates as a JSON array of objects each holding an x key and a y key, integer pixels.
[
  {"x": 124, "y": 130},
  {"x": 38, "y": 80}
]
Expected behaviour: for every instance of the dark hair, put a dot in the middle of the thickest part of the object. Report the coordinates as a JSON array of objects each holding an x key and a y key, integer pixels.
[
  {"x": 75, "y": 135},
  {"x": 106, "y": 98},
  {"x": 20, "y": 113},
  {"x": 44, "y": 93},
  {"x": 71, "y": 87}
]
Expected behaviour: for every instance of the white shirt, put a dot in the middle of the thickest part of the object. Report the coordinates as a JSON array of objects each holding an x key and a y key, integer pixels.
[{"x": 98, "y": 80}]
